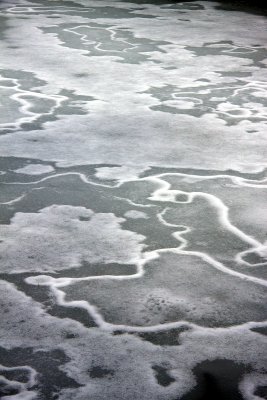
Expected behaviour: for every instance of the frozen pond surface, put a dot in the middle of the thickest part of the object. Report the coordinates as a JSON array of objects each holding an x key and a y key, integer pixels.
[{"x": 133, "y": 203}]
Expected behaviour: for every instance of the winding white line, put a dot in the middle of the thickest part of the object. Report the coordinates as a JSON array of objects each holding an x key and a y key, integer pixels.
[
  {"x": 133, "y": 203},
  {"x": 81, "y": 175},
  {"x": 25, "y": 105},
  {"x": 111, "y": 31},
  {"x": 162, "y": 193},
  {"x": 19, "y": 198},
  {"x": 92, "y": 310},
  {"x": 240, "y": 181},
  {"x": 239, "y": 258},
  {"x": 16, "y": 200}
]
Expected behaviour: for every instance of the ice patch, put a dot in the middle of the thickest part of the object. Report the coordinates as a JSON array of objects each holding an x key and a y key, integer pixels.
[
  {"x": 61, "y": 237},
  {"x": 124, "y": 173},
  {"x": 134, "y": 214},
  {"x": 35, "y": 169}
]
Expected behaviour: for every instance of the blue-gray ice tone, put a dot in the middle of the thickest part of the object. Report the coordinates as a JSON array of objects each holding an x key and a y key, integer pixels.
[{"x": 133, "y": 202}]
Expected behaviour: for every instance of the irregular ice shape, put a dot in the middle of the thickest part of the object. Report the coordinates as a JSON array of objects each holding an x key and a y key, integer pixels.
[
  {"x": 61, "y": 237},
  {"x": 35, "y": 169}
]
